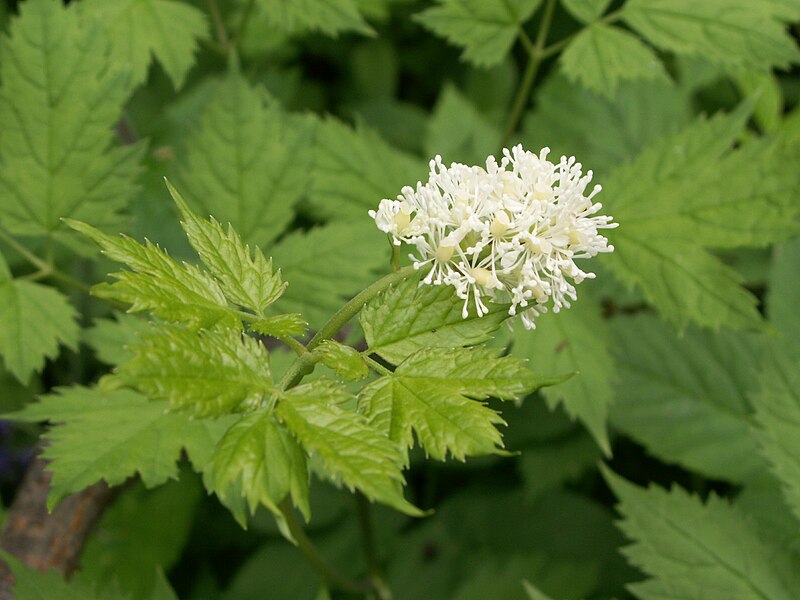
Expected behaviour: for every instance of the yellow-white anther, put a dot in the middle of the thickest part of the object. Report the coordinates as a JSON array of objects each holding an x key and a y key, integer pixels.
[{"x": 445, "y": 250}]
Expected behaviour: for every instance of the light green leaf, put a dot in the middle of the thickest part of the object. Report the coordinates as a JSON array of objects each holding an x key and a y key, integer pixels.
[
  {"x": 735, "y": 33},
  {"x": 158, "y": 284},
  {"x": 246, "y": 279},
  {"x": 350, "y": 450},
  {"x": 354, "y": 169},
  {"x": 690, "y": 548},
  {"x": 58, "y": 103},
  {"x": 586, "y": 11},
  {"x": 436, "y": 393},
  {"x": 138, "y": 29},
  {"x": 280, "y": 326},
  {"x": 214, "y": 372},
  {"x": 248, "y": 162},
  {"x": 574, "y": 341},
  {"x": 259, "y": 462},
  {"x": 778, "y": 414},
  {"x": 686, "y": 399},
  {"x": 330, "y": 17},
  {"x": 327, "y": 265},
  {"x": 458, "y": 131},
  {"x": 114, "y": 435},
  {"x": 783, "y": 295},
  {"x": 600, "y": 132},
  {"x": 690, "y": 192},
  {"x": 346, "y": 361},
  {"x": 601, "y": 56},
  {"x": 409, "y": 317},
  {"x": 486, "y": 29},
  {"x": 35, "y": 320},
  {"x": 112, "y": 339}
]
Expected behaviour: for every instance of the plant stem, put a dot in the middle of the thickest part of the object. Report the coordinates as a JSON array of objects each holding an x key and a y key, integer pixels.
[
  {"x": 376, "y": 366},
  {"x": 23, "y": 251},
  {"x": 534, "y": 62},
  {"x": 295, "y": 345},
  {"x": 244, "y": 20},
  {"x": 219, "y": 25},
  {"x": 558, "y": 46},
  {"x": 301, "y": 365},
  {"x": 307, "y": 547},
  {"x": 370, "y": 549}
]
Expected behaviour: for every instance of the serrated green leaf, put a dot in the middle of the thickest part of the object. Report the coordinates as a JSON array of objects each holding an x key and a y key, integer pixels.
[
  {"x": 158, "y": 284},
  {"x": 213, "y": 372},
  {"x": 586, "y": 11},
  {"x": 35, "y": 320},
  {"x": 246, "y": 279},
  {"x": 280, "y": 326},
  {"x": 248, "y": 162},
  {"x": 409, "y": 317},
  {"x": 601, "y": 56},
  {"x": 783, "y": 295},
  {"x": 436, "y": 393},
  {"x": 574, "y": 341},
  {"x": 459, "y": 131},
  {"x": 686, "y": 399},
  {"x": 259, "y": 462},
  {"x": 778, "y": 414},
  {"x": 735, "y": 33},
  {"x": 330, "y": 17},
  {"x": 140, "y": 29},
  {"x": 346, "y": 361},
  {"x": 112, "y": 339},
  {"x": 690, "y": 192},
  {"x": 113, "y": 435},
  {"x": 32, "y": 584},
  {"x": 58, "y": 103},
  {"x": 603, "y": 133},
  {"x": 350, "y": 450},
  {"x": 354, "y": 169},
  {"x": 690, "y": 548},
  {"x": 486, "y": 29},
  {"x": 327, "y": 265}
]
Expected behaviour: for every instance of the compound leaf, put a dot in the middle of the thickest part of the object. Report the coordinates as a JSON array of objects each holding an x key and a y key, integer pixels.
[
  {"x": 485, "y": 29},
  {"x": 778, "y": 413},
  {"x": 141, "y": 29},
  {"x": 686, "y": 399},
  {"x": 59, "y": 100},
  {"x": 732, "y": 33},
  {"x": 436, "y": 393},
  {"x": 248, "y": 162},
  {"x": 113, "y": 435},
  {"x": 331, "y": 17},
  {"x": 601, "y": 56},
  {"x": 689, "y": 548},
  {"x": 354, "y": 169},
  {"x": 214, "y": 372},
  {"x": 159, "y": 284},
  {"x": 246, "y": 279},
  {"x": 408, "y": 317},
  {"x": 35, "y": 320},
  {"x": 350, "y": 450},
  {"x": 259, "y": 461}
]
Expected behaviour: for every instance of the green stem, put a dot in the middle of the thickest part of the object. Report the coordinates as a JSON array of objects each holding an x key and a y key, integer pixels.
[
  {"x": 370, "y": 548},
  {"x": 244, "y": 20},
  {"x": 558, "y": 46},
  {"x": 534, "y": 62},
  {"x": 295, "y": 345},
  {"x": 23, "y": 251},
  {"x": 302, "y": 364},
  {"x": 219, "y": 25},
  {"x": 307, "y": 547},
  {"x": 376, "y": 366}
]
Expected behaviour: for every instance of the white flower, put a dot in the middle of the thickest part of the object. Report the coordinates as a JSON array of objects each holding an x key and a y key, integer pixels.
[{"x": 509, "y": 232}]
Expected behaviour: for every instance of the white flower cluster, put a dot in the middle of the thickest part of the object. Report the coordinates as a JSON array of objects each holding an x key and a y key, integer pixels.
[{"x": 509, "y": 232}]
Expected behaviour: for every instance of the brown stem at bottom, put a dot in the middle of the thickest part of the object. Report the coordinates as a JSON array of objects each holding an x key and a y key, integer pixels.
[{"x": 45, "y": 540}]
